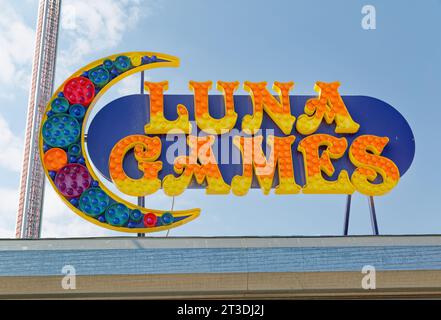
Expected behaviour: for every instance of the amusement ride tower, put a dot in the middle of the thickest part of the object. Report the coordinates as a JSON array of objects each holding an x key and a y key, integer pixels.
[{"x": 42, "y": 80}]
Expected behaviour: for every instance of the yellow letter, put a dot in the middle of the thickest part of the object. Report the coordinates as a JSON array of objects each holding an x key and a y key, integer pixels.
[
  {"x": 365, "y": 154},
  {"x": 158, "y": 123},
  {"x": 147, "y": 150},
  {"x": 262, "y": 99},
  {"x": 253, "y": 156},
  {"x": 329, "y": 105},
  {"x": 315, "y": 164},
  {"x": 187, "y": 166},
  {"x": 204, "y": 120}
]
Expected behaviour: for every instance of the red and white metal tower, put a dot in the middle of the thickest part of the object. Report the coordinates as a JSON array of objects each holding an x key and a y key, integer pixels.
[{"x": 43, "y": 72}]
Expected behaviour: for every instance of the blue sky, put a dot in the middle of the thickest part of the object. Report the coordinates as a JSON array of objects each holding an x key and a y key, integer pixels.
[{"x": 302, "y": 41}]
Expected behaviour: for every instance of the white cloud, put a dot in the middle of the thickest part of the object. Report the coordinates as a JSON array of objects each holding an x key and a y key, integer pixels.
[
  {"x": 17, "y": 44},
  {"x": 130, "y": 85},
  {"x": 10, "y": 146},
  {"x": 87, "y": 27},
  {"x": 91, "y": 26},
  {"x": 59, "y": 221},
  {"x": 8, "y": 211}
]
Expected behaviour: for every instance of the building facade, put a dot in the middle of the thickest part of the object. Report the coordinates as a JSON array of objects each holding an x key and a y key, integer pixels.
[{"x": 269, "y": 268}]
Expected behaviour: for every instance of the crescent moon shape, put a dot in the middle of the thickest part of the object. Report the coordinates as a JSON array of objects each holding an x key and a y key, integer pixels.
[{"x": 66, "y": 163}]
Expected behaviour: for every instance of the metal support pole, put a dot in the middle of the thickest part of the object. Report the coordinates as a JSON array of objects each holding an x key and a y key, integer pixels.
[
  {"x": 347, "y": 214},
  {"x": 141, "y": 200},
  {"x": 141, "y": 203},
  {"x": 373, "y": 216},
  {"x": 142, "y": 82}
]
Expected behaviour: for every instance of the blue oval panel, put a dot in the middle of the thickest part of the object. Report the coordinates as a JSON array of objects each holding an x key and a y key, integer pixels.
[{"x": 129, "y": 114}]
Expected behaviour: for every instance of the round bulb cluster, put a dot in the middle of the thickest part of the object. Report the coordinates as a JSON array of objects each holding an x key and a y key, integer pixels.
[
  {"x": 79, "y": 90},
  {"x": 117, "y": 214},
  {"x": 122, "y": 63},
  {"x": 167, "y": 218},
  {"x": 150, "y": 220},
  {"x": 54, "y": 159},
  {"x": 136, "y": 215},
  {"x": 72, "y": 180},
  {"x": 60, "y": 105},
  {"x": 108, "y": 64},
  {"x": 94, "y": 202},
  {"x": 99, "y": 76},
  {"x": 74, "y": 149},
  {"x": 61, "y": 130},
  {"x": 77, "y": 111}
]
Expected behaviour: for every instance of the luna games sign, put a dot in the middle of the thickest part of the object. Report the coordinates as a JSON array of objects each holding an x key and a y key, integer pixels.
[{"x": 226, "y": 143}]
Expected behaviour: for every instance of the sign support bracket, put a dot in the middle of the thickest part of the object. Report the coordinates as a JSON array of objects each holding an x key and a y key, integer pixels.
[
  {"x": 372, "y": 213},
  {"x": 347, "y": 214},
  {"x": 141, "y": 200},
  {"x": 373, "y": 216}
]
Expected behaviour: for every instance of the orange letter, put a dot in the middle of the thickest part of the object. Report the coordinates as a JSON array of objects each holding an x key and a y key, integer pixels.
[
  {"x": 329, "y": 105},
  {"x": 158, "y": 123},
  {"x": 365, "y": 154},
  {"x": 187, "y": 166},
  {"x": 204, "y": 120},
  {"x": 315, "y": 164},
  {"x": 262, "y": 99},
  {"x": 253, "y": 156},
  {"x": 147, "y": 150}
]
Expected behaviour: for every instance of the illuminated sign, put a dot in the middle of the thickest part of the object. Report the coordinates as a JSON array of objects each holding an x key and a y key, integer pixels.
[{"x": 225, "y": 143}]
